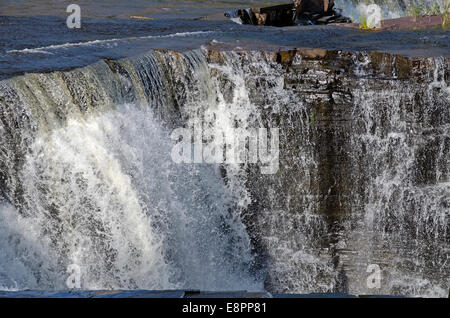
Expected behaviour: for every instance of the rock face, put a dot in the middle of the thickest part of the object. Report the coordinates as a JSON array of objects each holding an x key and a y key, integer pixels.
[
  {"x": 281, "y": 15},
  {"x": 364, "y": 170}
]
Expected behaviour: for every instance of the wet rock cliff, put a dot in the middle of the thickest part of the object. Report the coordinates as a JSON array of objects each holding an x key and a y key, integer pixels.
[{"x": 364, "y": 169}]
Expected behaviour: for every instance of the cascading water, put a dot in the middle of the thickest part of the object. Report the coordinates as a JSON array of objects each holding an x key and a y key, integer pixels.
[
  {"x": 98, "y": 189},
  {"x": 87, "y": 176},
  {"x": 400, "y": 155}
]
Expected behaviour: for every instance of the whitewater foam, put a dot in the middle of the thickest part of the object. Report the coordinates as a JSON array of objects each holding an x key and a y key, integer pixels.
[
  {"x": 104, "y": 195},
  {"x": 46, "y": 49}
]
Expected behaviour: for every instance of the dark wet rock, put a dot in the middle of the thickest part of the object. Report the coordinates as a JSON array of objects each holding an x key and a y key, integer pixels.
[
  {"x": 281, "y": 15},
  {"x": 314, "y": 6},
  {"x": 345, "y": 115},
  {"x": 302, "y": 12}
]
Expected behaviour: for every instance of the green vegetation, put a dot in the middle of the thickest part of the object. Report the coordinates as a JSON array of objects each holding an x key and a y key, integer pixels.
[
  {"x": 370, "y": 17},
  {"x": 363, "y": 23},
  {"x": 415, "y": 11},
  {"x": 421, "y": 9},
  {"x": 445, "y": 14},
  {"x": 435, "y": 9}
]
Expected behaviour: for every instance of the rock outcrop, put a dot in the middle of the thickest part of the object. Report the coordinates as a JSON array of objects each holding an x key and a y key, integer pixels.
[
  {"x": 298, "y": 12},
  {"x": 364, "y": 169}
]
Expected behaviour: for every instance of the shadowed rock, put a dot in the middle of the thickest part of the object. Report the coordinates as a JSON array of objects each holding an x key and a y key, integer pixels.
[{"x": 299, "y": 12}]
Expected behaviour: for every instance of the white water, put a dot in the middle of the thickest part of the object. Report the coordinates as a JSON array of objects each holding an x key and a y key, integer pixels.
[
  {"x": 104, "y": 195},
  {"x": 50, "y": 48},
  {"x": 404, "y": 219}
]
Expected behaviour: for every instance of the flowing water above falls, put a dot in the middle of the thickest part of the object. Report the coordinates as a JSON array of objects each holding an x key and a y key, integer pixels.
[{"x": 87, "y": 176}]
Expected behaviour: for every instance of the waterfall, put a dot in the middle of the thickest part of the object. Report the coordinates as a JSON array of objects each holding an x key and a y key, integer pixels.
[
  {"x": 400, "y": 155},
  {"x": 87, "y": 176},
  {"x": 93, "y": 184}
]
